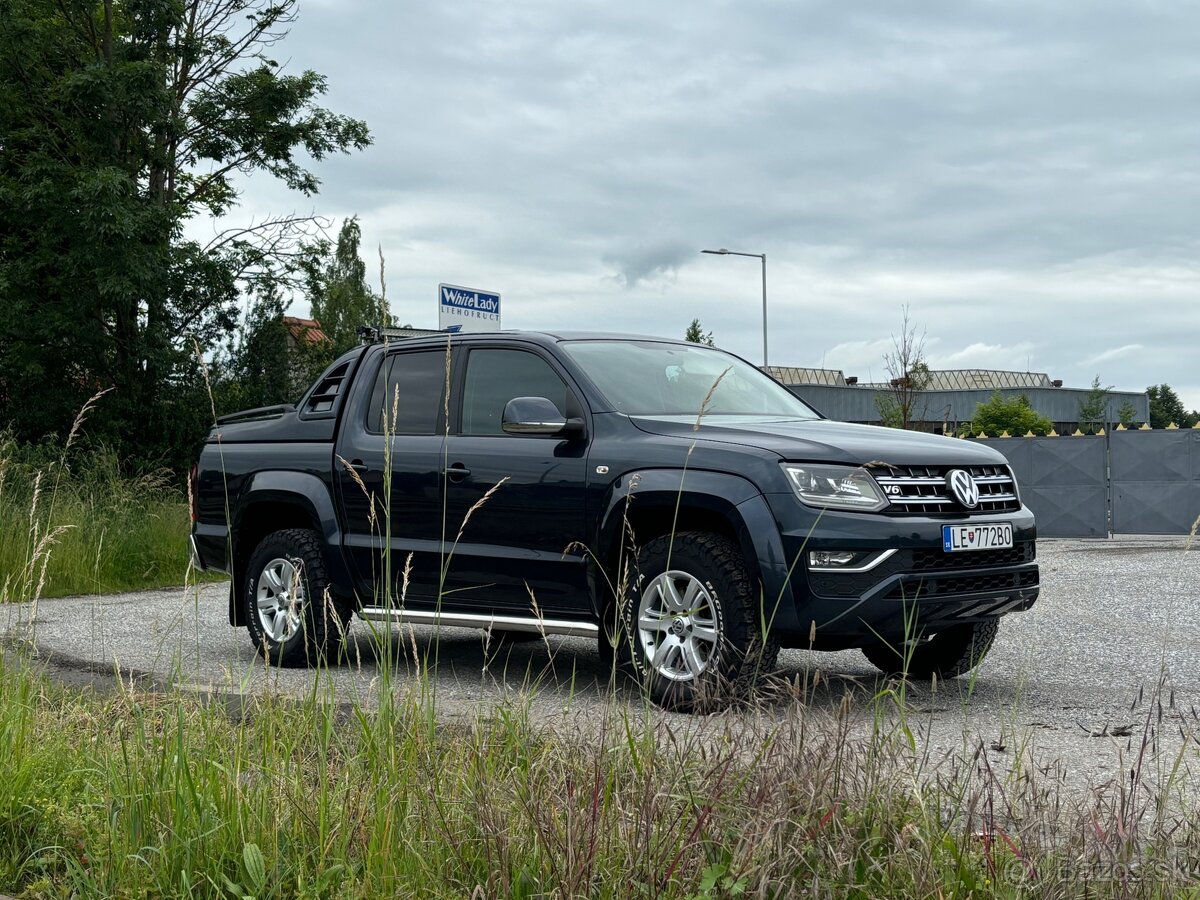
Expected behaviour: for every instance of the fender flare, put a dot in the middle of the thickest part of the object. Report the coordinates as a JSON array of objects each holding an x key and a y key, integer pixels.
[
  {"x": 301, "y": 489},
  {"x": 734, "y": 498}
]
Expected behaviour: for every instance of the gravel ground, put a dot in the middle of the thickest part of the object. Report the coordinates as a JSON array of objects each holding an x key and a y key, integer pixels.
[{"x": 1115, "y": 618}]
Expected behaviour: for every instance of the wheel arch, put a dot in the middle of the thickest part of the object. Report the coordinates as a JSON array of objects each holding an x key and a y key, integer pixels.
[
  {"x": 649, "y": 504},
  {"x": 274, "y": 501}
]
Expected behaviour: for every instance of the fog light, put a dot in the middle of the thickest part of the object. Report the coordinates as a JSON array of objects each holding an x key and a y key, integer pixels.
[
  {"x": 846, "y": 560},
  {"x": 830, "y": 559}
]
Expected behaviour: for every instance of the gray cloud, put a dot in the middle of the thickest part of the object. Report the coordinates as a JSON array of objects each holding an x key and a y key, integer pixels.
[
  {"x": 649, "y": 263},
  {"x": 1023, "y": 174}
]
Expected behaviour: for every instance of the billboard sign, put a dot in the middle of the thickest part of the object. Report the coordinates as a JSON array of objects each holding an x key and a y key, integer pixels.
[{"x": 467, "y": 309}]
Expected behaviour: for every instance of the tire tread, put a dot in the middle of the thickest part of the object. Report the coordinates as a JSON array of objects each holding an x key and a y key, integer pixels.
[{"x": 321, "y": 637}]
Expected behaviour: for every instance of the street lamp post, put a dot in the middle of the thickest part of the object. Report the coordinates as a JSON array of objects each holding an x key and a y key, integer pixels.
[{"x": 763, "y": 257}]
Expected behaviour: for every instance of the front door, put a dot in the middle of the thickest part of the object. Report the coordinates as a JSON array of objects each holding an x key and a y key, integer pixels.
[{"x": 515, "y": 503}]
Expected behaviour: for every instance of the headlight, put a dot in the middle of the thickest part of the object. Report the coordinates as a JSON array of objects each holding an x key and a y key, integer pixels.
[{"x": 836, "y": 487}]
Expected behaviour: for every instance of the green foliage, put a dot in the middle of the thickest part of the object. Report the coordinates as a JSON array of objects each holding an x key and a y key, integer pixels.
[
  {"x": 337, "y": 288},
  {"x": 1014, "y": 415},
  {"x": 268, "y": 364},
  {"x": 119, "y": 122},
  {"x": 1093, "y": 409},
  {"x": 1127, "y": 414},
  {"x": 698, "y": 335},
  {"x": 77, "y": 524},
  {"x": 1166, "y": 407}
]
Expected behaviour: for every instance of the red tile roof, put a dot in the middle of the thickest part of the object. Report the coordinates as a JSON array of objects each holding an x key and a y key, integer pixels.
[{"x": 307, "y": 329}]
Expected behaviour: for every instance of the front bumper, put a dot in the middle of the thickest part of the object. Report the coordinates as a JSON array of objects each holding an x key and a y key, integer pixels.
[{"x": 919, "y": 588}]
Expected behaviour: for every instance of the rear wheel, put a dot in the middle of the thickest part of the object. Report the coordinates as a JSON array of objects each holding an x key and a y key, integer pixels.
[
  {"x": 292, "y": 617},
  {"x": 949, "y": 653},
  {"x": 690, "y": 627}
]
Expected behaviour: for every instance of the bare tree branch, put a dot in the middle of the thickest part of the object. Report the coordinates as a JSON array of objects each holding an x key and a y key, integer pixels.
[{"x": 902, "y": 404}]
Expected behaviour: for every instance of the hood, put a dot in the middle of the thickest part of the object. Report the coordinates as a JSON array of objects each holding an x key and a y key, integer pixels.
[{"x": 824, "y": 440}]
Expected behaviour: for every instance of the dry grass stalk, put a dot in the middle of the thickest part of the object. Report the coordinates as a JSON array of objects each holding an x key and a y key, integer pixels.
[
  {"x": 385, "y": 318},
  {"x": 212, "y": 403},
  {"x": 446, "y": 386},
  {"x": 81, "y": 417},
  {"x": 477, "y": 505},
  {"x": 1187, "y": 545},
  {"x": 707, "y": 400},
  {"x": 405, "y": 575},
  {"x": 357, "y": 479}
]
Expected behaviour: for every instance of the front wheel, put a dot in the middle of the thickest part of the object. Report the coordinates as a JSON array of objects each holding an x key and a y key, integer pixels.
[
  {"x": 949, "y": 653},
  {"x": 292, "y": 617},
  {"x": 691, "y": 631}
]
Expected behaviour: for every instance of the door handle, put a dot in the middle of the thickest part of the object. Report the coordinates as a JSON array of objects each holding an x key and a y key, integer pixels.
[
  {"x": 359, "y": 466},
  {"x": 456, "y": 471}
]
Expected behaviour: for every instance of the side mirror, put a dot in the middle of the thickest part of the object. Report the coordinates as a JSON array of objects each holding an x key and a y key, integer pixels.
[{"x": 537, "y": 415}]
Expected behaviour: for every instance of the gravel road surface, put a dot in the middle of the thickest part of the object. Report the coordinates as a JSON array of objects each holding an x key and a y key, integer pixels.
[{"x": 1116, "y": 618}]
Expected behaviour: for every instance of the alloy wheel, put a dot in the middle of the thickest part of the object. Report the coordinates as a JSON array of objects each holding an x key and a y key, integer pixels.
[
  {"x": 281, "y": 598},
  {"x": 677, "y": 626}
]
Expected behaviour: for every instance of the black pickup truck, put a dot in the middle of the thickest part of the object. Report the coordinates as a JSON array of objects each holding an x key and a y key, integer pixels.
[{"x": 668, "y": 499}]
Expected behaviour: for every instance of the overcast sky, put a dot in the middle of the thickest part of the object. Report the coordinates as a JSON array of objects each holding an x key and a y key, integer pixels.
[{"x": 1025, "y": 175}]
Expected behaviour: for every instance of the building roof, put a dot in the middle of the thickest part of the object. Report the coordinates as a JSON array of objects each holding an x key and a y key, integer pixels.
[
  {"x": 801, "y": 375},
  {"x": 979, "y": 379},
  {"x": 307, "y": 330}
]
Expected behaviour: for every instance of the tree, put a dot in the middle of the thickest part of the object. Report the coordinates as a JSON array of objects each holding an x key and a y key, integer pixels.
[
  {"x": 900, "y": 404},
  {"x": 340, "y": 297},
  {"x": 119, "y": 123},
  {"x": 698, "y": 335},
  {"x": 1015, "y": 415},
  {"x": 1166, "y": 407},
  {"x": 1127, "y": 414},
  {"x": 268, "y": 364},
  {"x": 1093, "y": 409}
]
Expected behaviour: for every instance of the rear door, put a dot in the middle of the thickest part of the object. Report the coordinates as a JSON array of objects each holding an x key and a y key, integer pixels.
[
  {"x": 515, "y": 546},
  {"x": 389, "y": 474}
]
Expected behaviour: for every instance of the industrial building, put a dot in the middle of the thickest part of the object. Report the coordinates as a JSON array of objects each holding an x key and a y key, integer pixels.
[{"x": 952, "y": 396}]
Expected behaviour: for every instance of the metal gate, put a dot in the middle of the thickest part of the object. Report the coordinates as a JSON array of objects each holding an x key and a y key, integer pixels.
[
  {"x": 1124, "y": 482},
  {"x": 1063, "y": 480},
  {"x": 1155, "y": 481}
]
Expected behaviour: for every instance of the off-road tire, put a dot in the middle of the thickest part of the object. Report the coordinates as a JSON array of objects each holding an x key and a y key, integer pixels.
[
  {"x": 949, "y": 653},
  {"x": 725, "y": 588},
  {"x": 318, "y": 623}
]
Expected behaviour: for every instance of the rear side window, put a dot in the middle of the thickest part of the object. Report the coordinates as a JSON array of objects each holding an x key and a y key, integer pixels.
[
  {"x": 496, "y": 376},
  {"x": 408, "y": 393}
]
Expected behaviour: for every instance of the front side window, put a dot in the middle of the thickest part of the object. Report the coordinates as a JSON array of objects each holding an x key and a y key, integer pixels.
[
  {"x": 496, "y": 376},
  {"x": 651, "y": 378},
  {"x": 408, "y": 393}
]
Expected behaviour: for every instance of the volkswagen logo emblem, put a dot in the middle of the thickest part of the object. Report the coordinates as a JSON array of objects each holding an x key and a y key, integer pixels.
[{"x": 963, "y": 487}]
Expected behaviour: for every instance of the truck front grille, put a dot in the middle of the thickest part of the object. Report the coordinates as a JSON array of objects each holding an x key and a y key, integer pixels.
[
  {"x": 922, "y": 490},
  {"x": 928, "y": 560}
]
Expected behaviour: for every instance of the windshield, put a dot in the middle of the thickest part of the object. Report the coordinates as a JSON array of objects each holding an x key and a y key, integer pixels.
[{"x": 648, "y": 378}]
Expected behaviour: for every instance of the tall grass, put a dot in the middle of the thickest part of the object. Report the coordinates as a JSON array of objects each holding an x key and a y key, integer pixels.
[
  {"x": 145, "y": 795},
  {"x": 85, "y": 528}
]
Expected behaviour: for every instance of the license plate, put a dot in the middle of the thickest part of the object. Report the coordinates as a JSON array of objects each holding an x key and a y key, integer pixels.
[{"x": 994, "y": 536}]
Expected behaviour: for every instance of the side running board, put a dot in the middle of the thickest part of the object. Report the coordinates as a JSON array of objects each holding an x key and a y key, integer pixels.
[{"x": 572, "y": 627}]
